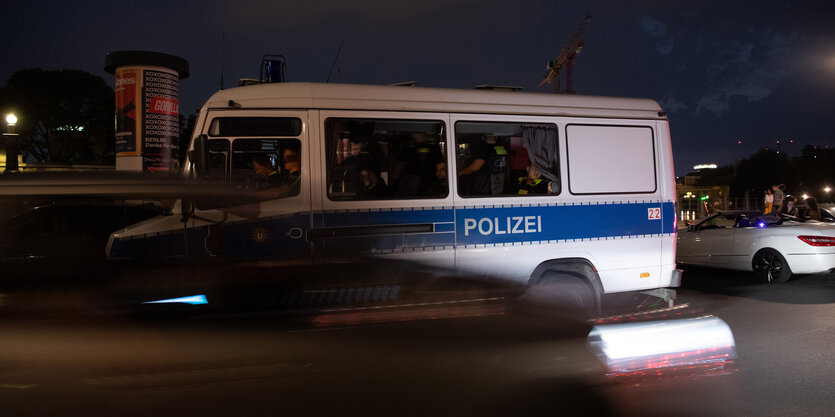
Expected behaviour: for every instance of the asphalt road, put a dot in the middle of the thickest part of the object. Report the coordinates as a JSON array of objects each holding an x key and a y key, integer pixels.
[
  {"x": 785, "y": 341},
  {"x": 494, "y": 365}
]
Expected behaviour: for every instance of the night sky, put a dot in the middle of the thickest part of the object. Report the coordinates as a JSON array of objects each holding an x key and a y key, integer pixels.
[{"x": 756, "y": 71}]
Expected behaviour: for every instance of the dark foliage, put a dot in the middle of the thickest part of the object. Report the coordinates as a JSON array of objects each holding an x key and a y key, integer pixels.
[
  {"x": 808, "y": 172},
  {"x": 64, "y": 116}
]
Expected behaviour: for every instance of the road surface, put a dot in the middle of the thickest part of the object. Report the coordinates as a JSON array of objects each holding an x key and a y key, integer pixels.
[{"x": 98, "y": 364}]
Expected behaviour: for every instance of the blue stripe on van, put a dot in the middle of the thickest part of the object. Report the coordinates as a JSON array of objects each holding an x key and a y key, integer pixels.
[
  {"x": 270, "y": 238},
  {"x": 566, "y": 222},
  {"x": 669, "y": 217}
]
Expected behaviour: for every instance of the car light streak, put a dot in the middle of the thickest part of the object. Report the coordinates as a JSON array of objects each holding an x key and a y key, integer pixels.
[
  {"x": 193, "y": 300},
  {"x": 703, "y": 345}
]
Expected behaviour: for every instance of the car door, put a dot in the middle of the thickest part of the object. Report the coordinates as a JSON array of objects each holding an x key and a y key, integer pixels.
[
  {"x": 711, "y": 241},
  {"x": 275, "y": 225},
  {"x": 376, "y": 196}
]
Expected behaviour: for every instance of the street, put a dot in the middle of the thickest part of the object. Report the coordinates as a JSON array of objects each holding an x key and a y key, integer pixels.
[
  {"x": 104, "y": 364},
  {"x": 784, "y": 339}
]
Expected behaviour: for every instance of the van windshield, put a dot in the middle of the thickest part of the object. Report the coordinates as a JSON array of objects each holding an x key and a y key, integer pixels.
[{"x": 269, "y": 167}]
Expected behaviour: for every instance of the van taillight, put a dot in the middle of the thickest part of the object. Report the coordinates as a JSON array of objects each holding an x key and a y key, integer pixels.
[{"x": 818, "y": 240}]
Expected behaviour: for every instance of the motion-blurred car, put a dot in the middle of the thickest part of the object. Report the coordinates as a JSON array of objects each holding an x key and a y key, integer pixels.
[
  {"x": 773, "y": 247},
  {"x": 60, "y": 237}
]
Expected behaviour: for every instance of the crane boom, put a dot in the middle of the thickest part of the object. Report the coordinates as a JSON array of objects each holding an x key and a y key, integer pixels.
[{"x": 566, "y": 57}]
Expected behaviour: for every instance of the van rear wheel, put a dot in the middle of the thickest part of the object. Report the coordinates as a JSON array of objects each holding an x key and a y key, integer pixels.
[
  {"x": 770, "y": 266},
  {"x": 563, "y": 292}
]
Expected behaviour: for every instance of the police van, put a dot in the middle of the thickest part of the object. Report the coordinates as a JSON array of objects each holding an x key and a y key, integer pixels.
[{"x": 526, "y": 187}]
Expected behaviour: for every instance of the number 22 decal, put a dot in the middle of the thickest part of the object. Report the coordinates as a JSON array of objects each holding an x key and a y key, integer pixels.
[{"x": 654, "y": 213}]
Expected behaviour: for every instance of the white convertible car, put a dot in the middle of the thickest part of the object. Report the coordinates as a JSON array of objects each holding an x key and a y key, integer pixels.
[{"x": 773, "y": 247}]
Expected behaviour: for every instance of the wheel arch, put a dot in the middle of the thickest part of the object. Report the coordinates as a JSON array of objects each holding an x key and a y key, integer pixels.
[
  {"x": 580, "y": 268},
  {"x": 760, "y": 245}
]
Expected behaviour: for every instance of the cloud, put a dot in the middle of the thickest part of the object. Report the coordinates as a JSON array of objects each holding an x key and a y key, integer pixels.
[
  {"x": 672, "y": 104},
  {"x": 717, "y": 103},
  {"x": 657, "y": 30},
  {"x": 750, "y": 68},
  {"x": 665, "y": 46},
  {"x": 653, "y": 27}
]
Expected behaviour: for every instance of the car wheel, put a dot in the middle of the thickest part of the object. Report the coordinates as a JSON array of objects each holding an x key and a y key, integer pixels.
[
  {"x": 566, "y": 293},
  {"x": 770, "y": 266}
]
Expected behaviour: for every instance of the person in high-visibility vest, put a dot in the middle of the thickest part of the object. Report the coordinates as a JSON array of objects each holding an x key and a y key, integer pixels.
[{"x": 533, "y": 183}]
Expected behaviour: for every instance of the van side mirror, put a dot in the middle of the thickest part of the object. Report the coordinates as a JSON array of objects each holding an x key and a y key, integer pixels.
[{"x": 199, "y": 156}]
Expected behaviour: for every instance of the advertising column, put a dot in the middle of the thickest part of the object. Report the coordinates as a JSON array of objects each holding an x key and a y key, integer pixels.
[{"x": 147, "y": 109}]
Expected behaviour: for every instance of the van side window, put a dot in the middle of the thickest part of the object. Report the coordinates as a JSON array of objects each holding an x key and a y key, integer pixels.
[
  {"x": 507, "y": 159},
  {"x": 377, "y": 159},
  {"x": 271, "y": 167}
]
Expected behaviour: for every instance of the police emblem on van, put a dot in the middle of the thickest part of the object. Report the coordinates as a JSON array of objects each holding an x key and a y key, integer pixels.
[{"x": 259, "y": 234}]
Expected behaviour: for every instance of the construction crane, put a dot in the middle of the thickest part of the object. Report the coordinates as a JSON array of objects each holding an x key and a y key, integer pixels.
[{"x": 566, "y": 60}]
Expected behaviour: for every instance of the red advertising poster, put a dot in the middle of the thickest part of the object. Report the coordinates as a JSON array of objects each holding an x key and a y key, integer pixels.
[
  {"x": 161, "y": 120},
  {"x": 127, "y": 85}
]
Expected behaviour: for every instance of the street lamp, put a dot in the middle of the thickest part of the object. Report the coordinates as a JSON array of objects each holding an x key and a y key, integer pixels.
[
  {"x": 11, "y": 144},
  {"x": 827, "y": 190}
]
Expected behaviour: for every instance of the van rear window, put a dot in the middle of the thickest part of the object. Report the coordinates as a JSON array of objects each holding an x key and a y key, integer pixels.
[
  {"x": 255, "y": 126},
  {"x": 610, "y": 159}
]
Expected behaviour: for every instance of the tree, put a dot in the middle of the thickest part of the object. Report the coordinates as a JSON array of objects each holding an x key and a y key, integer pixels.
[
  {"x": 809, "y": 172},
  {"x": 64, "y": 116}
]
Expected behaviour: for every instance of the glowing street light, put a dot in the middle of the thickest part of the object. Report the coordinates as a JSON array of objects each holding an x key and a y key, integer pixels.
[{"x": 11, "y": 144}]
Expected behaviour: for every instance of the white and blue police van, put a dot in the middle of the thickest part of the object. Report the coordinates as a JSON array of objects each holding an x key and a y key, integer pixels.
[{"x": 525, "y": 187}]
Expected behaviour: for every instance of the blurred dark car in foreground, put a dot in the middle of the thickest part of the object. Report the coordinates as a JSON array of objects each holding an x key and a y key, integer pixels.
[
  {"x": 339, "y": 336},
  {"x": 64, "y": 235}
]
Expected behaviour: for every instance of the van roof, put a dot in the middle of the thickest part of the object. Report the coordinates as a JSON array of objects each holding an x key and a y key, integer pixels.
[{"x": 447, "y": 100}]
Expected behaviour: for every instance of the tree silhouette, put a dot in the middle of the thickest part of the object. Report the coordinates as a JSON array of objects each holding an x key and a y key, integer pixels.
[
  {"x": 808, "y": 172},
  {"x": 64, "y": 116}
]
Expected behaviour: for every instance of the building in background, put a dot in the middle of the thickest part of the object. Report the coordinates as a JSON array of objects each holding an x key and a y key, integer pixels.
[{"x": 697, "y": 201}]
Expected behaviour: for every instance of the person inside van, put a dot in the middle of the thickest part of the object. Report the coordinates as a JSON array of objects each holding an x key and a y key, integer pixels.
[
  {"x": 291, "y": 174},
  {"x": 373, "y": 187},
  {"x": 266, "y": 176},
  {"x": 533, "y": 183},
  {"x": 485, "y": 173},
  {"x": 439, "y": 187},
  {"x": 272, "y": 184},
  {"x": 416, "y": 168},
  {"x": 346, "y": 175}
]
